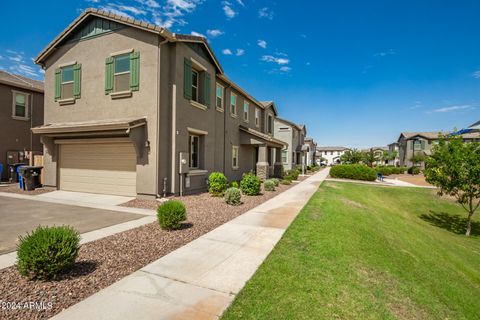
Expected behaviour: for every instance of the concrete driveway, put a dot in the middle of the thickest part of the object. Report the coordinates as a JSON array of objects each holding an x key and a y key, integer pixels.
[{"x": 18, "y": 216}]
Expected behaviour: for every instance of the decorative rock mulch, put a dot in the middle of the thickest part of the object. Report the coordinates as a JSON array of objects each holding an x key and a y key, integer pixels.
[
  {"x": 13, "y": 188},
  {"x": 105, "y": 261}
]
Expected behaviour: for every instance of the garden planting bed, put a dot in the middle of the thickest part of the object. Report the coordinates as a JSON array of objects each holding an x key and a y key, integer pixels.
[
  {"x": 101, "y": 263},
  {"x": 13, "y": 188}
]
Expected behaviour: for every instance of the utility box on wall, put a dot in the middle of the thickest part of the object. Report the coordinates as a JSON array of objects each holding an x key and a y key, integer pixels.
[{"x": 183, "y": 163}]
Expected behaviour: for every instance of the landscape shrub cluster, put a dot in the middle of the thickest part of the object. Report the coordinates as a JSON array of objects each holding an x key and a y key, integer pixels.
[
  {"x": 47, "y": 251},
  {"x": 414, "y": 170},
  {"x": 217, "y": 184},
  {"x": 233, "y": 196},
  {"x": 353, "y": 171},
  {"x": 269, "y": 185},
  {"x": 250, "y": 184}
]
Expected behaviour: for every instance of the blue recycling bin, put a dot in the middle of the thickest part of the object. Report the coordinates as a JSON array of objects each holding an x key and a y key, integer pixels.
[{"x": 20, "y": 178}]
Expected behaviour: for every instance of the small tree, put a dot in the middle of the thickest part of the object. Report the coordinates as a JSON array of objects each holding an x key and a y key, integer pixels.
[
  {"x": 454, "y": 167},
  {"x": 389, "y": 155},
  {"x": 351, "y": 157},
  {"x": 418, "y": 158},
  {"x": 370, "y": 157}
]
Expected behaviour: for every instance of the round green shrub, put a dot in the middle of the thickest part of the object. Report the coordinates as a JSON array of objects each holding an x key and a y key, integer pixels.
[
  {"x": 414, "y": 170},
  {"x": 250, "y": 184},
  {"x": 234, "y": 184},
  {"x": 276, "y": 181},
  {"x": 218, "y": 184},
  {"x": 170, "y": 214},
  {"x": 47, "y": 251},
  {"x": 292, "y": 174},
  {"x": 233, "y": 196},
  {"x": 388, "y": 170},
  {"x": 353, "y": 171},
  {"x": 269, "y": 185},
  {"x": 286, "y": 182}
]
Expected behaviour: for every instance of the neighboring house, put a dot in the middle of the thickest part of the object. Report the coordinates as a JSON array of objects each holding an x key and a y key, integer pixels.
[
  {"x": 133, "y": 109},
  {"x": 311, "y": 149},
  {"x": 331, "y": 155},
  {"x": 414, "y": 143},
  {"x": 475, "y": 126},
  {"x": 21, "y": 108},
  {"x": 294, "y": 136},
  {"x": 393, "y": 148}
]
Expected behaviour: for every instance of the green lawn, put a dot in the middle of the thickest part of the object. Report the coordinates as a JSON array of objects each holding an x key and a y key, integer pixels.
[{"x": 367, "y": 252}]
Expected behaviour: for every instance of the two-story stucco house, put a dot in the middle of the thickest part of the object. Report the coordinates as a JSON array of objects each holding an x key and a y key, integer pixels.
[
  {"x": 414, "y": 143},
  {"x": 393, "y": 149},
  {"x": 311, "y": 150},
  {"x": 331, "y": 155},
  {"x": 21, "y": 108},
  {"x": 133, "y": 109},
  {"x": 294, "y": 136}
]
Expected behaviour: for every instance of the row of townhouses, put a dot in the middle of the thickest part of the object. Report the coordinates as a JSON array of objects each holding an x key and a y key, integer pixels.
[{"x": 133, "y": 109}]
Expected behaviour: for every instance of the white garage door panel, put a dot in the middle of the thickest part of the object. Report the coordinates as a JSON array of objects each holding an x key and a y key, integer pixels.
[{"x": 98, "y": 168}]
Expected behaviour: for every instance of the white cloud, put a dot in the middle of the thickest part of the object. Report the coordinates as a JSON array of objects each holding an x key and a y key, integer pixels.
[
  {"x": 15, "y": 62},
  {"x": 262, "y": 43},
  {"x": 215, "y": 33},
  {"x": 240, "y": 52},
  {"x": 227, "y": 52},
  {"x": 198, "y": 34},
  {"x": 285, "y": 69},
  {"x": 148, "y": 3},
  {"x": 240, "y": 2},
  {"x": 454, "y": 108},
  {"x": 229, "y": 12},
  {"x": 389, "y": 52},
  {"x": 265, "y": 13},
  {"x": 476, "y": 74},
  {"x": 277, "y": 60}
]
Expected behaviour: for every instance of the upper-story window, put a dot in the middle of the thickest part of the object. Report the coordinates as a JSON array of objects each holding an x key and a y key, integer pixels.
[
  {"x": 68, "y": 82},
  {"x": 257, "y": 117},
  {"x": 20, "y": 105},
  {"x": 233, "y": 104},
  {"x": 219, "y": 93},
  {"x": 418, "y": 145},
  {"x": 196, "y": 85},
  {"x": 270, "y": 124},
  {"x": 122, "y": 74},
  {"x": 246, "y": 111}
]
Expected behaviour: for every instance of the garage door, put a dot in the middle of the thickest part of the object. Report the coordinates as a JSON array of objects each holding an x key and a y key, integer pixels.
[{"x": 108, "y": 168}]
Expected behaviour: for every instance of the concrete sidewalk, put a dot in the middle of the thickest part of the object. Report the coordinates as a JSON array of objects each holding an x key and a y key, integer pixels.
[{"x": 200, "y": 279}]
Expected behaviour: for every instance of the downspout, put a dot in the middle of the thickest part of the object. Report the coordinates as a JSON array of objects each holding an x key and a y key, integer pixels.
[
  {"x": 31, "y": 126},
  {"x": 157, "y": 147},
  {"x": 224, "y": 124}
]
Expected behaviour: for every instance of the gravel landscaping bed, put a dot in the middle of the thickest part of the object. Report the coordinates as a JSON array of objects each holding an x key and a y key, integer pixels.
[
  {"x": 105, "y": 261},
  {"x": 13, "y": 188}
]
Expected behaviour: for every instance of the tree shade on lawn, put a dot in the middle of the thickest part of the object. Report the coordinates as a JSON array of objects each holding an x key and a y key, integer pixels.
[{"x": 368, "y": 252}]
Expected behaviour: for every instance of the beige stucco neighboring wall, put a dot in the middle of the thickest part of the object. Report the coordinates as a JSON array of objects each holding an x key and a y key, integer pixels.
[{"x": 94, "y": 104}]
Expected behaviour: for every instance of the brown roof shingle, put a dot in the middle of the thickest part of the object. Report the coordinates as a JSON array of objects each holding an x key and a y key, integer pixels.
[{"x": 20, "y": 81}]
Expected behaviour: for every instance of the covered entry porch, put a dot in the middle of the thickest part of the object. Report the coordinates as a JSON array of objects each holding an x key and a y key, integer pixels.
[{"x": 268, "y": 154}]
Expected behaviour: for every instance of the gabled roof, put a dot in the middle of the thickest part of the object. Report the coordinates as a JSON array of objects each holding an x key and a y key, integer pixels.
[
  {"x": 19, "y": 81},
  {"x": 240, "y": 90},
  {"x": 336, "y": 148},
  {"x": 300, "y": 127},
  {"x": 427, "y": 135},
  {"x": 476, "y": 125},
  {"x": 142, "y": 25},
  {"x": 268, "y": 104}
]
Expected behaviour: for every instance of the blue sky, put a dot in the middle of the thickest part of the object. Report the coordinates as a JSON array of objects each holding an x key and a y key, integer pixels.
[{"x": 357, "y": 73}]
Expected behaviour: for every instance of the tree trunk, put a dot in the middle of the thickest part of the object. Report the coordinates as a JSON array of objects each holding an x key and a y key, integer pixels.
[{"x": 469, "y": 221}]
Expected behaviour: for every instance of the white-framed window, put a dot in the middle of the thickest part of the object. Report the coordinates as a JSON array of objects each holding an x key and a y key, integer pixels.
[
  {"x": 20, "y": 105},
  {"x": 284, "y": 156},
  {"x": 233, "y": 104},
  {"x": 67, "y": 82},
  {"x": 195, "y": 95},
  {"x": 219, "y": 92},
  {"x": 257, "y": 117},
  {"x": 121, "y": 73},
  {"x": 235, "y": 157},
  {"x": 194, "y": 151},
  {"x": 246, "y": 111}
]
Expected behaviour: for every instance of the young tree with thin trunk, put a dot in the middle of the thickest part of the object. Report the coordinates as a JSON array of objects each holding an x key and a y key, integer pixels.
[{"x": 454, "y": 167}]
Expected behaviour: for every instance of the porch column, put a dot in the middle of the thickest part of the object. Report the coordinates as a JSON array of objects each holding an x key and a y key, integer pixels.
[
  {"x": 262, "y": 164},
  {"x": 278, "y": 165}
]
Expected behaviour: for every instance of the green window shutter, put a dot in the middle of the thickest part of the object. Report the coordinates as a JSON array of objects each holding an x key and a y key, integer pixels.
[
  {"x": 412, "y": 144},
  {"x": 187, "y": 79},
  {"x": 77, "y": 80},
  {"x": 58, "y": 84},
  {"x": 206, "y": 89},
  {"x": 423, "y": 144},
  {"x": 134, "y": 71},
  {"x": 108, "y": 75}
]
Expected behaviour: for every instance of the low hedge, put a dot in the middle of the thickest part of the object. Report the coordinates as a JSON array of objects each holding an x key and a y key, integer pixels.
[
  {"x": 388, "y": 170},
  {"x": 353, "y": 171},
  {"x": 414, "y": 170}
]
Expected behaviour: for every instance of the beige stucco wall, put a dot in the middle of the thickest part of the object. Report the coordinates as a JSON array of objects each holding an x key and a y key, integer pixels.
[{"x": 95, "y": 105}]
